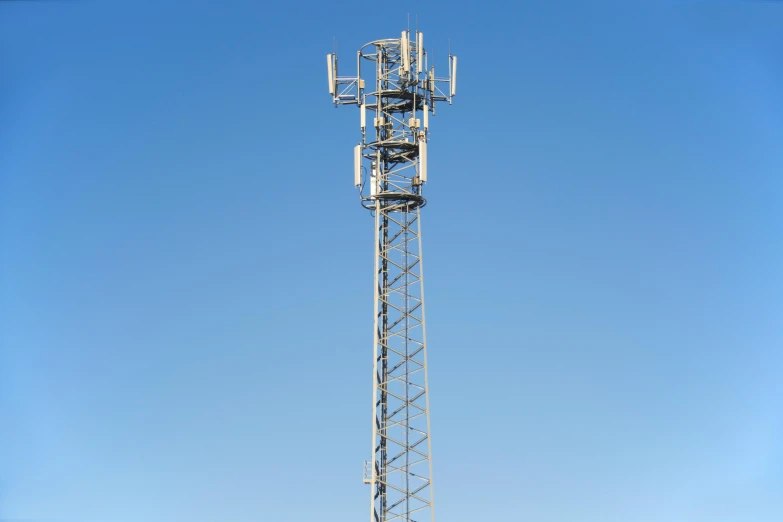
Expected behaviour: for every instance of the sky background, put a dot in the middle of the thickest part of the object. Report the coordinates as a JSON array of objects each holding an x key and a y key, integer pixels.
[{"x": 186, "y": 273}]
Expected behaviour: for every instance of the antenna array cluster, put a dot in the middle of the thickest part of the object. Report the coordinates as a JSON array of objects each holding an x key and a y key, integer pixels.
[{"x": 391, "y": 160}]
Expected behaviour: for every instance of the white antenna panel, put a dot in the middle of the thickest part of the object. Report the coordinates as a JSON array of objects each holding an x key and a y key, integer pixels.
[
  {"x": 363, "y": 117},
  {"x": 423, "y": 161},
  {"x": 330, "y": 69},
  {"x": 357, "y": 165},
  {"x": 419, "y": 52},
  {"x": 426, "y": 117},
  {"x": 373, "y": 181},
  {"x": 453, "y": 75},
  {"x": 406, "y": 53}
]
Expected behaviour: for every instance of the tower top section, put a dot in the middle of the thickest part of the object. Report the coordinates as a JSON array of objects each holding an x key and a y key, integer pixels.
[{"x": 396, "y": 91}]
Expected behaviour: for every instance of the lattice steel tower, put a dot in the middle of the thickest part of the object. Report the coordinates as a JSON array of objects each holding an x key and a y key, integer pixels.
[{"x": 390, "y": 170}]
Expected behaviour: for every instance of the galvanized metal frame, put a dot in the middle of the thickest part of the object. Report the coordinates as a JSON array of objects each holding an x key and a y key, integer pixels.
[{"x": 390, "y": 174}]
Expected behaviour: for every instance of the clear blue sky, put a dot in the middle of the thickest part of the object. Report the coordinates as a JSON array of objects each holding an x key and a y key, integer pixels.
[{"x": 186, "y": 272}]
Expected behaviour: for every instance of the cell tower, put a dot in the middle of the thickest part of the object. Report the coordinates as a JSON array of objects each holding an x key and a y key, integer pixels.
[{"x": 390, "y": 170}]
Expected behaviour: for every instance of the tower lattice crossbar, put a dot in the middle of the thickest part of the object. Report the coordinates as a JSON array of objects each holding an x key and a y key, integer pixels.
[{"x": 390, "y": 171}]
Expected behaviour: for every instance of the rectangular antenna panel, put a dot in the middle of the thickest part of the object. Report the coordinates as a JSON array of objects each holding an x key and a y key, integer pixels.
[
  {"x": 423, "y": 161},
  {"x": 453, "y": 75},
  {"x": 406, "y": 53},
  {"x": 363, "y": 117},
  {"x": 426, "y": 117},
  {"x": 330, "y": 68},
  {"x": 357, "y": 165},
  {"x": 420, "y": 52}
]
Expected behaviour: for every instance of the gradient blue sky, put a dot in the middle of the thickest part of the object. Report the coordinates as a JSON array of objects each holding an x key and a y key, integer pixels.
[{"x": 186, "y": 273}]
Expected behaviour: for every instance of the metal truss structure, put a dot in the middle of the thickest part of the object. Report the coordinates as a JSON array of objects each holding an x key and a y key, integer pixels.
[{"x": 390, "y": 171}]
